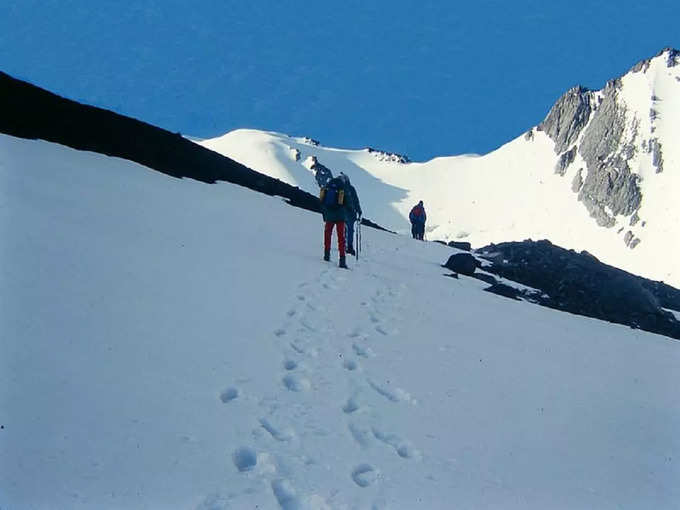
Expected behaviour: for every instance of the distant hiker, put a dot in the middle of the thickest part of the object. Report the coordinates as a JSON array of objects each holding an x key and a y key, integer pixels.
[
  {"x": 333, "y": 197},
  {"x": 418, "y": 218},
  {"x": 322, "y": 174},
  {"x": 353, "y": 212}
]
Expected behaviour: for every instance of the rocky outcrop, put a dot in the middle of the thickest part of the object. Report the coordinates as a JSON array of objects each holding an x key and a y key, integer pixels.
[
  {"x": 567, "y": 118},
  {"x": 657, "y": 154},
  {"x": 392, "y": 157},
  {"x": 565, "y": 160},
  {"x": 609, "y": 188},
  {"x": 504, "y": 290},
  {"x": 628, "y": 237},
  {"x": 581, "y": 284},
  {"x": 672, "y": 59},
  {"x": 599, "y": 127}
]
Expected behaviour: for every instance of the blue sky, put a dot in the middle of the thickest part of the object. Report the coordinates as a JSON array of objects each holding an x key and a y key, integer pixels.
[{"x": 422, "y": 78}]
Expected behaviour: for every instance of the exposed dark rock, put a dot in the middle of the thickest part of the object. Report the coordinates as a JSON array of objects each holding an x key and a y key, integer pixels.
[
  {"x": 486, "y": 278},
  {"x": 504, "y": 290},
  {"x": 439, "y": 241},
  {"x": 609, "y": 184},
  {"x": 567, "y": 118},
  {"x": 565, "y": 160},
  {"x": 598, "y": 212},
  {"x": 461, "y": 245},
  {"x": 641, "y": 66},
  {"x": 616, "y": 83},
  {"x": 628, "y": 238},
  {"x": 634, "y": 243},
  {"x": 388, "y": 156},
  {"x": 462, "y": 263},
  {"x": 657, "y": 154},
  {"x": 580, "y": 284},
  {"x": 310, "y": 141},
  {"x": 606, "y": 189},
  {"x": 673, "y": 57},
  {"x": 605, "y": 131},
  {"x": 529, "y": 136},
  {"x": 633, "y": 220}
]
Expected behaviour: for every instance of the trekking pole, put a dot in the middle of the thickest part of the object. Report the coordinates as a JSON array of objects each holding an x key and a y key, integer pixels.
[
  {"x": 356, "y": 243},
  {"x": 359, "y": 234}
]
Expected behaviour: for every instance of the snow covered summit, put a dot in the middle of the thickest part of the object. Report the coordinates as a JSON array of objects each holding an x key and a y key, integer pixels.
[{"x": 600, "y": 173}]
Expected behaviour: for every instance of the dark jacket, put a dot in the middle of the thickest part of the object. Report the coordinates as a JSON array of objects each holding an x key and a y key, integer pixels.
[
  {"x": 353, "y": 205},
  {"x": 417, "y": 215},
  {"x": 339, "y": 213}
]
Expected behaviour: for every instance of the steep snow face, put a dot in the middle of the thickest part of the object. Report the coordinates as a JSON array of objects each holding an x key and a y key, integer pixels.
[
  {"x": 599, "y": 174},
  {"x": 171, "y": 344}
]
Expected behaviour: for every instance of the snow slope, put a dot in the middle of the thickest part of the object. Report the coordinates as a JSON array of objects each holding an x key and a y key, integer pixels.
[
  {"x": 514, "y": 193},
  {"x": 171, "y": 344}
]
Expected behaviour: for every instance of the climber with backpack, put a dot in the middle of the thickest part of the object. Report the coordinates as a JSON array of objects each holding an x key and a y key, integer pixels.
[
  {"x": 334, "y": 197},
  {"x": 418, "y": 217},
  {"x": 353, "y": 212}
]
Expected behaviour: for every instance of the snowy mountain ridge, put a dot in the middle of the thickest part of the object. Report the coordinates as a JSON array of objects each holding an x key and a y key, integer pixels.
[{"x": 599, "y": 173}]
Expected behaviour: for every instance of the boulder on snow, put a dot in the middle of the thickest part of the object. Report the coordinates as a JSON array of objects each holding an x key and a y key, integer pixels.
[{"x": 462, "y": 263}]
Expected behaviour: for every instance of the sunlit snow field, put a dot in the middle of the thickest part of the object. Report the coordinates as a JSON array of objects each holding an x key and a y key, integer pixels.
[{"x": 171, "y": 344}]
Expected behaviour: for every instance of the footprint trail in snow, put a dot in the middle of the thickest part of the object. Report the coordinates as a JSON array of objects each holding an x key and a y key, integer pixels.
[{"x": 322, "y": 356}]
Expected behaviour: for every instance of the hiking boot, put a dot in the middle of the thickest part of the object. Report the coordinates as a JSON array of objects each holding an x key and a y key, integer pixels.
[
  {"x": 327, "y": 255},
  {"x": 350, "y": 250},
  {"x": 342, "y": 262}
]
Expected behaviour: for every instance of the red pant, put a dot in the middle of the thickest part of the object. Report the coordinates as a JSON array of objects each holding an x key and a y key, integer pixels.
[{"x": 328, "y": 232}]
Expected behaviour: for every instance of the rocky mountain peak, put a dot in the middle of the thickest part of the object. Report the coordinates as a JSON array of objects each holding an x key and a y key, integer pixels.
[{"x": 611, "y": 134}]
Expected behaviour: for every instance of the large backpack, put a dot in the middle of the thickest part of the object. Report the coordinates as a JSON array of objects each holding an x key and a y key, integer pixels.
[
  {"x": 416, "y": 215},
  {"x": 332, "y": 195}
]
